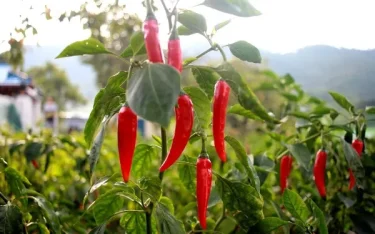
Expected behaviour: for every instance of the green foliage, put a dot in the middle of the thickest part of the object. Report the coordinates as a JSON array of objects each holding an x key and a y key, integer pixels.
[
  {"x": 89, "y": 46},
  {"x": 236, "y": 7}
]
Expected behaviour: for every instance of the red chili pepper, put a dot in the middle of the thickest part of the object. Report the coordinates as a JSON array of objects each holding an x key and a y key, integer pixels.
[
  {"x": 221, "y": 97},
  {"x": 184, "y": 125},
  {"x": 151, "y": 36},
  {"x": 174, "y": 50},
  {"x": 35, "y": 164},
  {"x": 320, "y": 171},
  {"x": 358, "y": 146},
  {"x": 285, "y": 168},
  {"x": 126, "y": 137},
  {"x": 204, "y": 180}
]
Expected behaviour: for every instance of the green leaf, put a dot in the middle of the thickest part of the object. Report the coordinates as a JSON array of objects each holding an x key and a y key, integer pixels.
[
  {"x": 167, "y": 223},
  {"x": 133, "y": 222},
  {"x": 245, "y": 51},
  {"x": 33, "y": 150},
  {"x": 107, "y": 102},
  {"x": 206, "y": 79},
  {"x": 151, "y": 186},
  {"x": 168, "y": 203},
  {"x": 370, "y": 110},
  {"x": 319, "y": 215},
  {"x": 99, "y": 229},
  {"x": 184, "y": 31},
  {"x": 242, "y": 200},
  {"x": 89, "y": 46},
  {"x": 301, "y": 115},
  {"x": 348, "y": 202},
  {"x": 220, "y": 25},
  {"x": 143, "y": 157},
  {"x": 270, "y": 224},
  {"x": 16, "y": 182},
  {"x": 245, "y": 95},
  {"x": 342, "y": 101},
  {"x": 201, "y": 105},
  {"x": 354, "y": 162},
  {"x": 239, "y": 110},
  {"x": 301, "y": 153},
  {"x": 240, "y": 8},
  {"x": 264, "y": 166},
  {"x": 214, "y": 197},
  {"x": 295, "y": 205},
  {"x": 244, "y": 159},
  {"x": 187, "y": 173},
  {"x": 136, "y": 47},
  {"x": 95, "y": 149},
  {"x": 48, "y": 213},
  {"x": 152, "y": 92},
  {"x": 193, "y": 21},
  {"x": 11, "y": 219}
]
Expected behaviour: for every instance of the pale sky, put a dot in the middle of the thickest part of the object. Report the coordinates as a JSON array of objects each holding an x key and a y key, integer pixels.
[{"x": 284, "y": 26}]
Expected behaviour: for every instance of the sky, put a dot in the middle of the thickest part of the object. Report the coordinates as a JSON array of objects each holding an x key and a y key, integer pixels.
[{"x": 284, "y": 26}]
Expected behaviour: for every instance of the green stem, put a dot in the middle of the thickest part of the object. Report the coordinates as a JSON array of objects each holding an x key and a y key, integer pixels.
[
  {"x": 4, "y": 198},
  {"x": 222, "y": 218},
  {"x": 148, "y": 223},
  {"x": 163, "y": 150},
  {"x": 222, "y": 52},
  {"x": 169, "y": 16},
  {"x": 204, "y": 151}
]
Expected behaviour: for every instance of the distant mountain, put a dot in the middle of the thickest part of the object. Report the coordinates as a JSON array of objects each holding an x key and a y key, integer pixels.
[{"x": 317, "y": 68}]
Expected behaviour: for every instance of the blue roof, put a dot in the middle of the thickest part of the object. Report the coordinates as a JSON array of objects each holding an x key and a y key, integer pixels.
[{"x": 17, "y": 78}]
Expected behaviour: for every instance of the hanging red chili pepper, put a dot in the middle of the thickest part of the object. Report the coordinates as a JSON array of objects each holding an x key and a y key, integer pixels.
[
  {"x": 204, "y": 180},
  {"x": 285, "y": 168},
  {"x": 221, "y": 97},
  {"x": 184, "y": 125},
  {"x": 358, "y": 146},
  {"x": 174, "y": 49},
  {"x": 320, "y": 172},
  {"x": 151, "y": 36},
  {"x": 126, "y": 137},
  {"x": 35, "y": 164}
]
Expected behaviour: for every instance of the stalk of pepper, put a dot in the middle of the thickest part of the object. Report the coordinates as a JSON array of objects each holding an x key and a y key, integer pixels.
[
  {"x": 285, "y": 168},
  {"x": 204, "y": 180},
  {"x": 358, "y": 146},
  {"x": 126, "y": 137},
  {"x": 35, "y": 164},
  {"x": 221, "y": 98},
  {"x": 151, "y": 36},
  {"x": 319, "y": 172}
]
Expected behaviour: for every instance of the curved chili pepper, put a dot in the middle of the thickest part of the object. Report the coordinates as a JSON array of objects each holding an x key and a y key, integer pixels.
[
  {"x": 184, "y": 125},
  {"x": 285, "y": 168},
  {"x": 35, "y": 164},
  {"x": 358, "y": 146},
  {"x": 151, "y": 36},
  {"x": 126, "y": 137},
  {"x": 204, "y": 180},
  {"x": 320, "y": 171},
  {"x": 221, "y": 98}
]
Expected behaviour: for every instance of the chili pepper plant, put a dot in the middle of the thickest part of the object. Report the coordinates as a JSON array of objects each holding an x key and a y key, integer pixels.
[{"x": 232, "y": 162}]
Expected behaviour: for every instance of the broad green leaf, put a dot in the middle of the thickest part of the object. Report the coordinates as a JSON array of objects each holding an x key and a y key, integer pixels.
[
  {"x": 263, "y": 165},
  {"x": 152, "y": 92},
  {"x": 16, "y": 182},
  {"x": 15, "y": 147},
  {"x": 143, "y": 157},
  {"x": 11, "y": 219},
  {"x": 270, "y": 224},
  {"x": 89, "y": 46},
  {"x": 167, "y": 223},
  {"x": 151, "y": 187},
  {"x": 184, "y": 31},
  {"x": 33, "y": 150},
  {"x": 133, "y": 222},
  {"x": 239, "y": 110},
  {"x": 136, "y": 47},
  {"x": 245, "y": 51},
  {"x": 43, "y": 228},
  {"x": 193, "y": 21},
  {"x": 240, "y": 8},
  {"x": 319, "y": 215},
  {"x": 220, "y": 25},
  {"x": 99, "y": 229},
  {"x": 295, "y": 205},
  {"x": 107, "y": 102},
  {"x": 206, "y": 79},
  {"x": 301, "y": 115},
  {"x": 354, "y": 162},
  {"x": 187, "y": 173},
  {"x": 342, "y": 101},
  {"x": 242, "y": 200},
  {"x": 48, "y": 213},
  {"x": 95, "y": 149},
  {"x": 214, "y": 197},
  {"x": 168, "y": 203},
  {"x": 244, "y": 159},
  {"x": 321, "y": 110},
  {"x": 201, "y": 105},
  {"x": 370, "y": 110},
  {"x": 301, "y": 153},
  {"x": 245, "y": 95}
]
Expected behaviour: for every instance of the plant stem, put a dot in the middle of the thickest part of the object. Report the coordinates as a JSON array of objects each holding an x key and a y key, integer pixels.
[
  {"x": 148, "y": 223},
  {"x": 201, "y": 55},
  {"x": 203, "y": 151},
  {"x": 163, "y": 150},
  {"x": 220, "y": 220},
  {"x": 4, "y": 198},
  {"x": 169, "y": 16},
  {"x": 222, "y": 52}
]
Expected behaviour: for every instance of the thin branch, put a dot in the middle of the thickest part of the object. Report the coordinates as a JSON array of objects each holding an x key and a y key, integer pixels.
[
  {"x": 163, "y": 150},
  {"x": 168, "y": 13},
  {"x": 4, "y": 198}
]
